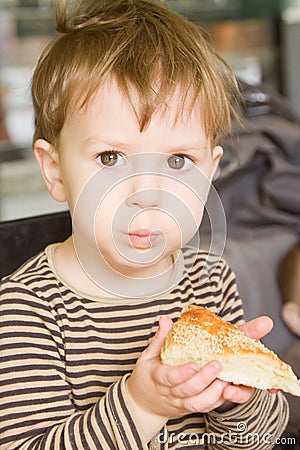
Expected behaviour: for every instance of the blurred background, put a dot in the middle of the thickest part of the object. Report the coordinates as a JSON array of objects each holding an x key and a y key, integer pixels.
[
  {"x": 260, "y": 171},
  {"x": 259, "y": 38}
]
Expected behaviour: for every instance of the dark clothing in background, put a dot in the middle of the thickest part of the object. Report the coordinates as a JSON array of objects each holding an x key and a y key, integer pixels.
[{"x": 259, "y": 186}]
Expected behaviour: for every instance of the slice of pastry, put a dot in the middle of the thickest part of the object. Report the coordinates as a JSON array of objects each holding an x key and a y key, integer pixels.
[{"x": 201, "y": 336}]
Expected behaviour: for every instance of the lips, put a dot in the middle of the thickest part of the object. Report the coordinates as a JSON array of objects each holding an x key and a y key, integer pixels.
[{"x": 142, "y": 239}]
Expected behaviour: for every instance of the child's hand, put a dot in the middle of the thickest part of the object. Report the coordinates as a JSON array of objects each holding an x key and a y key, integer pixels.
[{"x": 160, "y": 392}]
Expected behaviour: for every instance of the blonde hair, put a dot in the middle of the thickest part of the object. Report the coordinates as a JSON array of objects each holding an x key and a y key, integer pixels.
[
  {"x": 288, "y": 275},
  {"x": 149, "y": 50}
]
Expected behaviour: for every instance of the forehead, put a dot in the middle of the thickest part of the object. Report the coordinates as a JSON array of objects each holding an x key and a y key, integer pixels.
[
  {"x": 109, "y": 118},
  {"x": 110, "y": 104}
]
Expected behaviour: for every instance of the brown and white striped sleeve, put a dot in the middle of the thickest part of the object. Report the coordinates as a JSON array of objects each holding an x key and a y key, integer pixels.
[
  {"x": 255, "y": 425},
  {"x": 36, "y": 406}
]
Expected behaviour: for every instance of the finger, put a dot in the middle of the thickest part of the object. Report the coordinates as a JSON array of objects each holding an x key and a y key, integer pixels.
[
  {"x": 199, "y": 382},
  {"x": 274, "y": 391},
  {"x": 171, "y": 376},
  {"x": 154, "y": 348},
  {"x": 238, "y": 394},
  {"x": 209, "y": 399},
  {"x": 257, "y": 328}
]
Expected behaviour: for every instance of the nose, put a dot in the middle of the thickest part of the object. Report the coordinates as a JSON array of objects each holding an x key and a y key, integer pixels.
[{"x": 145, "y": 192}]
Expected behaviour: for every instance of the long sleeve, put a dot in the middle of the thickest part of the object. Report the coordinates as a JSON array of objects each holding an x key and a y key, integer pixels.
[
  {"x": 257, "y": 424},
  {"x": 107, "y": 425},
  {"x": 37, "y": 405}
]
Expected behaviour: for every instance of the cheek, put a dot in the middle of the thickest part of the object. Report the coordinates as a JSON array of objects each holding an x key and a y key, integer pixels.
[
  {"x": 191, "y": 201},
  {"x": 109, "y": 203},
  {"x": 196, "y": 208},
  {"x": 74, "y": 185},
  {"x": 190, "y": 213},
  {"x": 108, "y": 216}
]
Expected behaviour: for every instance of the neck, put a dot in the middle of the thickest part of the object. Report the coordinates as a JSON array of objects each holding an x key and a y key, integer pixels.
[{"x": 94, "y": 277}]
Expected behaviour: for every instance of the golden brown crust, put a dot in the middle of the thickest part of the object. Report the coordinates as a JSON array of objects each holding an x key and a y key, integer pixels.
[
  {"x": 230, "y": 340},
  {"x": 201, "y": 336}
]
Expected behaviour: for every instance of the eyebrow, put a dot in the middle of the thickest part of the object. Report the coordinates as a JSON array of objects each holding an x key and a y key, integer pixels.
[
  {"x": 178, "y": 148},
  {"x": 188, "y": 148},
  {"x": 105, "y": 141}
]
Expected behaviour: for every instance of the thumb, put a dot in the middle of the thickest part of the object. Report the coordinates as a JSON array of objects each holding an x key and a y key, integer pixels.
[
  {"x": 257, "y": 328},
  {"x": 154, "y": 348}
]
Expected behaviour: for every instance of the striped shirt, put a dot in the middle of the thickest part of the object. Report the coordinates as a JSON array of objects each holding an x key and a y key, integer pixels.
[{"x": 65, "y": 360}]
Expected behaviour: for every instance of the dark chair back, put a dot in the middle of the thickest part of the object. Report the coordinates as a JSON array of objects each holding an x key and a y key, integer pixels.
[{"x": 22, "y": 238}]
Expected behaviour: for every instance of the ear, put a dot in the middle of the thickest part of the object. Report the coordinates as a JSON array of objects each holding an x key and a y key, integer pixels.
[
  {"x": 217, "y": 154},
  {"x": 291, "y": 315},
  {"x": 48, "y": 159}
]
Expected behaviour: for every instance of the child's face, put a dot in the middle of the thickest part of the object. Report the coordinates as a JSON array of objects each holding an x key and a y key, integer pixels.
[{"x": 143, "y": 200}]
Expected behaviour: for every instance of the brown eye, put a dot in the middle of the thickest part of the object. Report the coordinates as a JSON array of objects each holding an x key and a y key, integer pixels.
[
  {"x": 109, "y": 158},
  {"x": 176, "y": 162}
]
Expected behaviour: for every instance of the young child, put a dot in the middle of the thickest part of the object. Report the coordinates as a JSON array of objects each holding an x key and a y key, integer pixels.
[
  {"x": 289, "y": 284},
  {"x": 131, "y": 102}
]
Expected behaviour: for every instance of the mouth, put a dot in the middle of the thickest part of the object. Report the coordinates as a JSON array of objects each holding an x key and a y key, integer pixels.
[{"x": 142, "y": 239}]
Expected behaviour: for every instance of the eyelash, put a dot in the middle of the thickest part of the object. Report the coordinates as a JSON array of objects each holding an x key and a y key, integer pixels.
[
  {"x": 191, "y": 158},
  {"x": 188, "y": 160},
  {"x": 114, "y": 152}
]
